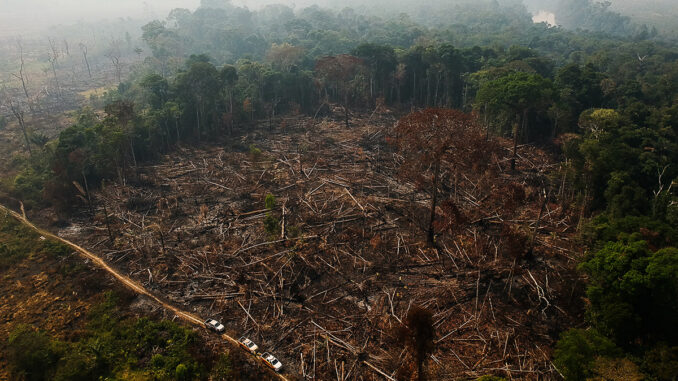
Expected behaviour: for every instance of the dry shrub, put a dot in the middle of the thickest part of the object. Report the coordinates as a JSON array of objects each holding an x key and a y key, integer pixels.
[
  {"x": 511, "y": 196},
  {"x": 513, "y": 242},
  {"x": 452, "y": 219},
  {"x": 204, "y": 210},
  {"x": 376, "y": 242}
]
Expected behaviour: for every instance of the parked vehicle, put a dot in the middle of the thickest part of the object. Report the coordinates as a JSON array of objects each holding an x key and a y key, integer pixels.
[
  {"x": 214, "y": 325},
  {"x": 272, "y": 362},
  {"x": 248, "y": 345}
]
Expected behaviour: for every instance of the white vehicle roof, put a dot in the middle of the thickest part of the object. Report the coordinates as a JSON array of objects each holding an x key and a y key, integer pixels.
[
  {"x": 247, "y": 341},
  {"x": 274, "y": 361},
  {"x": 215, "y": 324}
]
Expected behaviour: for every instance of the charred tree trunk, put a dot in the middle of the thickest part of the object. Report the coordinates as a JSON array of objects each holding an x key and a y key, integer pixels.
[
  {"x": 89, "y": 197},
  {"x": 434, "y": 202},
  {"x": 197, "y": 118},
  {"x": 536, "y": 227},
  {"x": 108, "y": 223},
  {"x": 515, "y": 147},
  {"x": 176, "y": 127},
  {"x": 232, "y": 120},
  {"x": 520, "y": 126},
  {"x": 83, "y": 48},
  {"x": 346, "y": 111}
]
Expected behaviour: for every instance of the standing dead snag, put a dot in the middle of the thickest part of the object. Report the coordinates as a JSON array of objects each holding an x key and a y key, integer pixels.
[
  {"x": 22, "y": 75},
  {"x": 83, "y": 49},
  {"x": 432, "y": 139},
  {"x": 114, "y": 55},
  {"x": 418, "y": 334},
  {"x": 54, "y": 62}
]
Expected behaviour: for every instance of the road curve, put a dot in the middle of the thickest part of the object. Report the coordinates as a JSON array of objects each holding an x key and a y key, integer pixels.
[{"x": 129, "y": 283}]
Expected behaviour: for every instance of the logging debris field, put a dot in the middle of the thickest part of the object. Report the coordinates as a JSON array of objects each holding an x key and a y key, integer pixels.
[{"x": 306, "y": 238}]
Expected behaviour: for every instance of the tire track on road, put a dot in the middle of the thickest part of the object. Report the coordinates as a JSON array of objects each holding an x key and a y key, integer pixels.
[{"x": 129, "y": 283}]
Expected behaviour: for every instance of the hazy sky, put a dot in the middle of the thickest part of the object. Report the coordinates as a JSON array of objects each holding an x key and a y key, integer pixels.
[
  {"x": 15, "y": 15},
  {"x": 26, "y": 16}
]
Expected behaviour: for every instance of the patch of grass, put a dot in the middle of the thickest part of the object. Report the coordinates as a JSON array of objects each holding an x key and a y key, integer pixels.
[
  {"x": 255, "y": 152},
  {"x": 272, "y": 225},
  {"x": 18, "y": 242}
]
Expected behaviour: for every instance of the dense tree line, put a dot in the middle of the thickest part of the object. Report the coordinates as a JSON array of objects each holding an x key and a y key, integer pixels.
[{"x": 607, "y": 105}]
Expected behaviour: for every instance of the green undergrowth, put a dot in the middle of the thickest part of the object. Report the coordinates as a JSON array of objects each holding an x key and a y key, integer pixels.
[
  {"x": 112, "y": 345},
  {"x": 18, "y": 242},
  {"x": 115, "y": 347}
]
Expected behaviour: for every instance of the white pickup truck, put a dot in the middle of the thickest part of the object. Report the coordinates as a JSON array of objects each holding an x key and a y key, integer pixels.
[
  {"x": 214, "y": 325},
  {"x": 248, "y": 345},
  {"x": 272, "y": 362}
]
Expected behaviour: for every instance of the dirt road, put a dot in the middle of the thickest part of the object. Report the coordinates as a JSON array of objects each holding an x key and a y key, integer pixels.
[{"x": 132, "y": 285}]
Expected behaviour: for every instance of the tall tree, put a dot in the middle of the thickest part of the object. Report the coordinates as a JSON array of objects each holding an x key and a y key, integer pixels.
[
  {"x": 284, "y": 56},
  {"x": 198, "y": 88},
  {"x": 229, "y": 77},
  {"x": 156, "y": 90},
  {"x": 516, "y": 93},
  {"x": 430, "y": 139},
  {"x": 338, "y": 74},
  {"x": 381, "y": 61}
]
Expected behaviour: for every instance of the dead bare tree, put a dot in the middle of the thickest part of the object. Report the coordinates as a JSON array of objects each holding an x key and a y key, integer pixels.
[
  {"x": 54, "y": 61},
  {"x": 83, "y": 49},
  {"x": 656, "y": 202},
  {"x": 114, "y": 55},
  {"x": 546, "y": 195},
  {"x": 22, "y": 75}
]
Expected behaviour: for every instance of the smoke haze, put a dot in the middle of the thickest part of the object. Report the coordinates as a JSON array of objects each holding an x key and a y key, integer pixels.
[{"x": 30, "y": 16}]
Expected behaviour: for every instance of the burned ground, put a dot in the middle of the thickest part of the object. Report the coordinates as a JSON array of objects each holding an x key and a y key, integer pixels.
[{"x": 325, "y": 276}]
